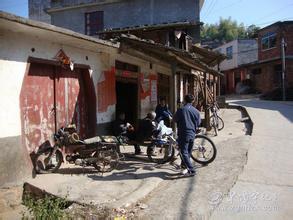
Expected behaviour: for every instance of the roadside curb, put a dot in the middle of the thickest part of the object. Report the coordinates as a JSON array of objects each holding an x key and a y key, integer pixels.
[
  {"x": 130, "y": 200},
  {"x": 248, "y": 123}
]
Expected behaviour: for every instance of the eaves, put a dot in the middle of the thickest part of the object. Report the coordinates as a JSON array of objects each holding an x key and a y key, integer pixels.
[
  {"x": 82, "y": 5},
  {"x": 44, "y": 26}
]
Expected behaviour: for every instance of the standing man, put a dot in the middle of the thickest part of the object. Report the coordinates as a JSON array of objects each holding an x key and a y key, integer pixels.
[{"x": 188, "y": 120}]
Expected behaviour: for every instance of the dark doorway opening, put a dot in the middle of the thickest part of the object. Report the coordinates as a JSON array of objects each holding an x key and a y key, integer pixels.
[
  {"x": 164, "y": 87},
  {"x": 237, "y": 79},
  {"x": 127, "y": 100}
]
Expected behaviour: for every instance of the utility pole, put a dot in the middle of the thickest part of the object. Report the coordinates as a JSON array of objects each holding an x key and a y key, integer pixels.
[{"x": 283, "y": 69}]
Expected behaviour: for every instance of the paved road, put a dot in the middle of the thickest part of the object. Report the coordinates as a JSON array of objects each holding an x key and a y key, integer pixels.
[{"x": 265, "y": 188}]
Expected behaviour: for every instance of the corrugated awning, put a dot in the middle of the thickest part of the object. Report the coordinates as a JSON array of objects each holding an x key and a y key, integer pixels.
[{"x": 165, "y": 53}]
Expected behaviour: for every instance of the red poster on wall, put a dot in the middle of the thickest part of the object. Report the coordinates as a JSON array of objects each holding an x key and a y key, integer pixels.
[
  {"x": 153, "y": 88},
  {"x": 107, "y": 91}
]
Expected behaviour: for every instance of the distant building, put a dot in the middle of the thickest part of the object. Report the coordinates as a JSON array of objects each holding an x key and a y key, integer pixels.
[
  {"x": 240, "y": 54},
  {"x": 170, "y": 22},
  {"x": 37, "y": 10},
  {"x": 267, "y": 74}
]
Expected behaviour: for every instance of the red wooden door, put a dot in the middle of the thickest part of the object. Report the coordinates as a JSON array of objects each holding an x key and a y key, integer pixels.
[
  {"x": 71, "y": 107},
  {"x": 37, "y": 106},
  {"x": 51, "y": 97}
]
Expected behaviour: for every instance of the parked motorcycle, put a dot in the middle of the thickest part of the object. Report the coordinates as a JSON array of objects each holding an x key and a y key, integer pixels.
[{"x": 94, "y": 152}]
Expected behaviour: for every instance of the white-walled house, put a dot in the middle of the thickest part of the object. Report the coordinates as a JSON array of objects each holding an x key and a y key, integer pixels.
[
  {"x": 51, "y": 77},
  {"x": 238, "y": 54}
]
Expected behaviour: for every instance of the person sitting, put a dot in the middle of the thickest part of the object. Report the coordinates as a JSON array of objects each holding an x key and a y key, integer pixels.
[
  {"x": 162, "y": 112},
  {"x": 121, "y": 127},
  {"x": 147, "y": 127}
]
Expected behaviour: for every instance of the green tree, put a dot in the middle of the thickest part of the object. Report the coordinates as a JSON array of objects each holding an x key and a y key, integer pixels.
[{"x": 227, "y": 30}]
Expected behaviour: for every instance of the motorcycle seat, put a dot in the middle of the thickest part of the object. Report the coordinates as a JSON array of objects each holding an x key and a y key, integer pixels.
[{"x": 92, "y": 140}]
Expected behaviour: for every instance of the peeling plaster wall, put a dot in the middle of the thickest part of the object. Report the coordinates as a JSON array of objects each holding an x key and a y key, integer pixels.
[
  {"x": 15, "y": 162},
  {"x": 144, "y": 67},
  {"x": 17, "y": 45},
  {"x": 14, "y": 54}
]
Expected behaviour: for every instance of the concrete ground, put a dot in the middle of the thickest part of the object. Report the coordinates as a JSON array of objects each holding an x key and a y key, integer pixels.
[
  {"x": 194, "y": 198},
  {"x": 137, "y": 181},
  {"x": 265, "y": 188}
]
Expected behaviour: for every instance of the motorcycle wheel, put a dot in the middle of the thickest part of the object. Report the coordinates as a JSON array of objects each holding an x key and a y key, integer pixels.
[
  {"x": 204, "y": 150},
  {"x": 106, "y": 160},
  {"x": 160, "y": 153},
  {"x": 47, "y": 163}
]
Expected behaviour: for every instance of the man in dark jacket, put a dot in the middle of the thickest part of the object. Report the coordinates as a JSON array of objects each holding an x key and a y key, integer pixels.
[
  {"x": 188, "y": 120},
  {"x": 147, "y": 127},
  {"x": 162, "y": 112}
]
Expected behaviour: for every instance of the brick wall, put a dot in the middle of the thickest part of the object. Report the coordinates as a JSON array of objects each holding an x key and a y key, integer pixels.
[
  {"x": 281, "y": 29},
  {"x": 273, "y": 52},
  {"x": 289, "y": 73}
]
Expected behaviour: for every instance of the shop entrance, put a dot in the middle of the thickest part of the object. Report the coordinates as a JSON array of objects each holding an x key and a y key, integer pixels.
[{"x": 127, "y": 100}]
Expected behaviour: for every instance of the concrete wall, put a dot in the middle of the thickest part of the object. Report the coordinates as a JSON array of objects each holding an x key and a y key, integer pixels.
[
  {"x": 144, "y": 67},
  {"x": 130, "y": 13},
  {"x": 15, "y": 164},
  {"x": 244, "y": 52},
  {"x": 247, "y": 51},
  {"x": 232, "y": 63},
  {"x": 37, "y": 10}
]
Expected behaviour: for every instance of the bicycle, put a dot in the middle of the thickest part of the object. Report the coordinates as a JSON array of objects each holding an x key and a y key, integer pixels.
[
  {"x": 216, "y": 121},
  {"x": 162, "y": 150}
]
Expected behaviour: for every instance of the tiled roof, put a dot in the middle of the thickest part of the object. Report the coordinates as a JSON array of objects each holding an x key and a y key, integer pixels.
[{"x": 147, "y": 27}]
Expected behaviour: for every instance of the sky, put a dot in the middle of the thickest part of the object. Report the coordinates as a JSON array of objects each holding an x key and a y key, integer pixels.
[{"x": 258, "y": 12}]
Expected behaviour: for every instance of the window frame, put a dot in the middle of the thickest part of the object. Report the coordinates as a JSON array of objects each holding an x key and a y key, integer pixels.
[
  {"x": 230, "y": 56},
  {"x": 268, "y": 36},
  {"x": 98, "y": 25}
]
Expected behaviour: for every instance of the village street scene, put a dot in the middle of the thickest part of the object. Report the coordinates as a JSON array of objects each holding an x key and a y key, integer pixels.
[{"x": 146, "y": 109}]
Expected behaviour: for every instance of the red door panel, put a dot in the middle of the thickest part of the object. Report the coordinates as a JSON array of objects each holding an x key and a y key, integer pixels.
[
  {"x": 52, "y": 97},
  {"x": 37, "y": 106},
  {"x": 70, "y": 100}
]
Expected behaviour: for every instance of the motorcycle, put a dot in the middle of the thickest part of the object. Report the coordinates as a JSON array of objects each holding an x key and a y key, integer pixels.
[{"x": 96, "y": 152}]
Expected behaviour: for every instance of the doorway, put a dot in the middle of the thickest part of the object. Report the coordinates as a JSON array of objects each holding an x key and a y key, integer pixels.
[
  {"x": 53, "y": 97},
  {"x": 127, "y": 100},
  {"x": 164, "y": 87}
]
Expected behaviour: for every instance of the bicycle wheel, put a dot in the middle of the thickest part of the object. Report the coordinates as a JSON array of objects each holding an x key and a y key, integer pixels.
[
  {"x": 220, "y": 123},
  {"x": 204, "y": 150},
  {"x": 214, "y": 124},
  {"x": 160, "y": 153}
]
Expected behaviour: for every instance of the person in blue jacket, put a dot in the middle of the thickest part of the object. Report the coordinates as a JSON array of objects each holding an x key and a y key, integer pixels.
[
  {"x": 162, "y": 112},
  {"x": 188, "y": 121}
]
